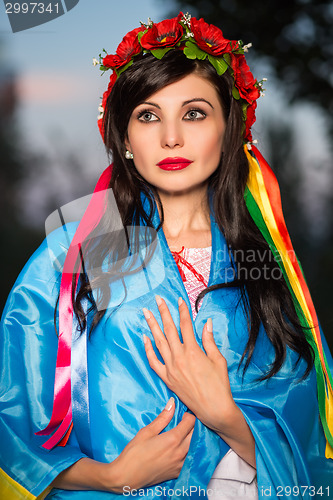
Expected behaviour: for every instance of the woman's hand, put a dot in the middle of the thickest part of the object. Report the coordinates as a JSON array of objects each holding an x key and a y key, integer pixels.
[
  {"x": 151, "y": 457},
  {"x": 200, "y": 379}
]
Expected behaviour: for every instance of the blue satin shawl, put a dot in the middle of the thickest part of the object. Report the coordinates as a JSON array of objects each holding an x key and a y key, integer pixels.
[{"x": 115, "y": 392}]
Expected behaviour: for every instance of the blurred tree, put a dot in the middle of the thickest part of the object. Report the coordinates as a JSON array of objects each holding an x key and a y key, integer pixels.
[
  {"x": 315, "y": 254},
  {"x": 322, "y": 279},
  {"x": 29, "y": 192},
  {"x": 295, "y": 35},
  {"x": 17, "y": 240}
]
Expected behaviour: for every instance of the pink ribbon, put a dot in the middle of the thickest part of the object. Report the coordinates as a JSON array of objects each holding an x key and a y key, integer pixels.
[{"x": 61, "y": 419}]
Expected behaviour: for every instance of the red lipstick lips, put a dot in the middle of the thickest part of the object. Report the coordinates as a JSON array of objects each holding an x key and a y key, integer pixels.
[{"x": 176, "y": 163}]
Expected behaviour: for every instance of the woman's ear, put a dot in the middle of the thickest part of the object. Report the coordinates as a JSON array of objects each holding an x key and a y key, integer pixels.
[{"x": 127, "y": 143}]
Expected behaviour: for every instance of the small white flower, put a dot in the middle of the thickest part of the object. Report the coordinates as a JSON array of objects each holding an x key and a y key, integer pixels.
[
  {"x": 149, "y": 23},
  {"x": 249, "y": 144},
  {"x": 189, "y": 35},
  {"x": 101, "y": 112},
  {"x": 186, "y": 19},
  {"x": 247, "y": 47},
  {"x": 264, "y": 79},
  {"x": 95, "y": 61}
]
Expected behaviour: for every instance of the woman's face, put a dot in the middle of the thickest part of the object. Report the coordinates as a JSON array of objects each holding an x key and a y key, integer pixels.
[{"x": 182, "y": 126}]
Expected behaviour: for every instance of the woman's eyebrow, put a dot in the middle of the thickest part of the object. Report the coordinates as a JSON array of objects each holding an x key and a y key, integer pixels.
[
  {"x": 150, "y": 104},
  {"x": 195, "y": 99}
]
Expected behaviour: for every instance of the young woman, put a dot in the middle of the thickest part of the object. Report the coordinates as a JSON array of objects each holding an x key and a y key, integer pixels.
[{"x": 178, "y": 289}]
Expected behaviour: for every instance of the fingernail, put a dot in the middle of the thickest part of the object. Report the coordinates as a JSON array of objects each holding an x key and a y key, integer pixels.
[
  {"x": 180, "y": 301},
  {"x": 146, "y": 313},
  {"x": 209, "y": 325},
  {"x": 158, "y": 300},
  {"x": 169, "y": 404},
  {"x": 145, "y": 339}
]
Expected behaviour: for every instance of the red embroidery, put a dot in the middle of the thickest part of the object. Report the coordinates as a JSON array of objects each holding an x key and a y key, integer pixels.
[{"x": 180, "y": 260}]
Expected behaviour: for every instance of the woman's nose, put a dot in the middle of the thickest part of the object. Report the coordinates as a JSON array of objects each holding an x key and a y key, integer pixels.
[{"x": 171, "y": 134}]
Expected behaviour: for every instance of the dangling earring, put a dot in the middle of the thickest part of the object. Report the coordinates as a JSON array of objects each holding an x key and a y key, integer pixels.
[{"x": 128, "y": 155}]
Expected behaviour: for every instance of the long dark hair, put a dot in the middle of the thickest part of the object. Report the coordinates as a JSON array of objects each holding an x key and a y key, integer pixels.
[{"x": 266, "y": 301}]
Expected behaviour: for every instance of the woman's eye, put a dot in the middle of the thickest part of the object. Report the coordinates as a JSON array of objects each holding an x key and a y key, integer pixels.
[
  {"x": 195, "y": 114},
  {"x": 147, "y": 116}
]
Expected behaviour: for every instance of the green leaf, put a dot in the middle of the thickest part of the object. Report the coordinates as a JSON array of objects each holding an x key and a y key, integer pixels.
[
  {"x": 140, "y": 34},
  {"x": 189, "y": 53},
  {"x": 219, "y": 64},
  {"x": 123, "y": 68},
  {"x": 227, "y": 58},
  {"x": 159, "y": 53},
  {"x": 192, "y": 51},
  {"x": 235, "y": 93},
  {"x": 244, "y": 107},
  {"x": 201, "y": 54},
  {"x": 244, "y": 110}
]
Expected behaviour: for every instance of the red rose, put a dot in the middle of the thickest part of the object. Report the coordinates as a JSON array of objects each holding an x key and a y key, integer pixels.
[
  {"x": 209, "y": 38},
  {"x": 244, "y": 80},
  {"x": 100, "y": 120},
  {"x": 128, "y": 47},
  {"x": 100, "y": 127},
  {"x": 243, "y": 71},
  {"x": 106, "y": 94},
  {"x": 250, "y": 119},
  {"x": 164, "y": 34}
]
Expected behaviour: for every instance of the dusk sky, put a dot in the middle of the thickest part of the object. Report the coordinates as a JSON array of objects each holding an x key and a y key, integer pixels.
[
  {"x": 58, "y": 86},
  {"x": 59, "y": 91}
]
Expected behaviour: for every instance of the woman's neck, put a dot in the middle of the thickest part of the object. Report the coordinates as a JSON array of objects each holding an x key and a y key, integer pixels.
[{"x": 186, "y": 219}]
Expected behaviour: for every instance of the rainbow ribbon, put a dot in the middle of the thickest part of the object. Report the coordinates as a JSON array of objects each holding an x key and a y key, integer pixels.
[{"x": 263, "y": 200}]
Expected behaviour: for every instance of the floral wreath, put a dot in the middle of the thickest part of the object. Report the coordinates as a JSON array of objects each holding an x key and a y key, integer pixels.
[{"x": 198, "y": 40}]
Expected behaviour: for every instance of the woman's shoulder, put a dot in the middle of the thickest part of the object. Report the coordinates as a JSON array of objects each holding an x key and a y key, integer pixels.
[
  {"x": 51, "y": 253},
  {"x": 40, "y": 277},
  {"x": 54, "y": 247}
]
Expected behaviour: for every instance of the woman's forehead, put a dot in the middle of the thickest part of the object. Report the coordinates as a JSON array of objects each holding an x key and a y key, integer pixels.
[{"x": 188, "y": 88}]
